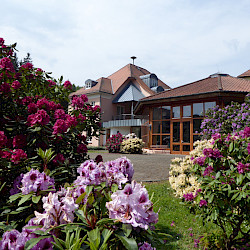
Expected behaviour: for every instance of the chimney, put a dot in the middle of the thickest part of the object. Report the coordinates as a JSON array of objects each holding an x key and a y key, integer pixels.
[{"x": 133, "y": 58}]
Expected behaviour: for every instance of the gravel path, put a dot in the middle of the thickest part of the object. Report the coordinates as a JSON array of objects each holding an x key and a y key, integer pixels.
[{"x": 148, "y": 167}]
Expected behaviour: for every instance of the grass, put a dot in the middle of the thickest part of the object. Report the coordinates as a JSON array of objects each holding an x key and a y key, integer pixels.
[{"x": 171, "y": 209}]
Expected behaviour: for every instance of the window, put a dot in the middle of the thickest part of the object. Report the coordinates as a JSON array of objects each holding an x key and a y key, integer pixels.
[
  {"x": 209, "y": 105},
  {"x": 161, "y": 126},
  {"x": 88, "y": 85},
  {"x": 197, "y": 110},
  {"x": 176, "y": 112},
  {"x": 92, "y": 104},
  {"x": 187, "y": 111}
]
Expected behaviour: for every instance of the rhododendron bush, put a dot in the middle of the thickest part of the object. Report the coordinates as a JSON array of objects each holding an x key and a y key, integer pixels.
[
  {"x": 114, "y": 143},
  {"x": 132, "y": 146},
  {"x": 234, "y": 117},
  {"x": 102, "y": 209},
  {"x": 224, "y": 194},
  {"x": 181, "y": 176},
  {"x": 37, "y": 129}
]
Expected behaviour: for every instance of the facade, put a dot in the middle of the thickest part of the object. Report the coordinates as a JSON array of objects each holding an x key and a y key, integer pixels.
[
  {"x": 117, "y": 95},
  {"x": 175, "y": 115}
]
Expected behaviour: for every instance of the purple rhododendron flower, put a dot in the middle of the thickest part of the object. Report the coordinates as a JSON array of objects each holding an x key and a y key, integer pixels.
[
  {"x": 132, "y": 205},
  {"x": 58, "y": 210},
  {"x": 243, "y": 167},
  {"x": 188, "y": 197},
  {"x": 200, "y": 160},
  {"x": 212, "y": 153},
  {"x": 34, "y": 181},
  {"x": 203, "y": 203},
  {"x": 208, "y": 170},
  {"x": 145, "y": 246},
  {"x": 16, "y": 185}
]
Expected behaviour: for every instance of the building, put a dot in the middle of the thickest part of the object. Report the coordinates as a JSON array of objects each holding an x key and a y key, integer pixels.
[
  {"x": 175, "y": 115},
  {"x": 117, "y": 95}
]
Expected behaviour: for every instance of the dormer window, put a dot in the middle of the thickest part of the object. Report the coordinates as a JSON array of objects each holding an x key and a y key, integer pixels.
[
  {"x": 151, "y": 80},
  {"x": 90, "y": 83}
]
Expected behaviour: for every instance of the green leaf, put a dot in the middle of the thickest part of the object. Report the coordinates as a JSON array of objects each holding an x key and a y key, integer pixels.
[
  {"x": 36, "y": 199},
  {"x": 32, "y": 242},
  {"x": 231, "y": 147},
  {"x": 24, "y": 199},
  {"x": 15, "y": 197},
  {"x": 80, "y": 198},
  {"x": 211, "y": 197},
  {"x": 95, "y": 237},
  {"x": 129, "y": 243},
  {"x": 127, "y": 229}
]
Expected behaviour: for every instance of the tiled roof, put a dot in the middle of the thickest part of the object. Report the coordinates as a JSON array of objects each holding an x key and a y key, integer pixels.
[
  {"x": 210, "y": 84},
  {"x": 245, "y": 74},
  {"x": 103, "y": 85},
  {"x": 113, "y": 82}
]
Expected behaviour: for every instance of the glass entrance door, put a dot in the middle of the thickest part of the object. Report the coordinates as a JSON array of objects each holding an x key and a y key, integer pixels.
[{"x": 181, "y": 136}]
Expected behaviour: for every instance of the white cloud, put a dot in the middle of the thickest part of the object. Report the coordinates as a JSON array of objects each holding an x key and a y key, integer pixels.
[{"x": 181, "y": 41}]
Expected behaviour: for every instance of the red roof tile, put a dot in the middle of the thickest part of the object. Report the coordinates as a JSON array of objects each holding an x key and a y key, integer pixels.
[
  {"x": 245, "y": 74},
  {"x": 210, "y": 84},
  {"x": 113, "y": 82}
]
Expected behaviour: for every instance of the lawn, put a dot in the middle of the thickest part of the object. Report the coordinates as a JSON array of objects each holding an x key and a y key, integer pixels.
[{"x": 175, "y": 218}]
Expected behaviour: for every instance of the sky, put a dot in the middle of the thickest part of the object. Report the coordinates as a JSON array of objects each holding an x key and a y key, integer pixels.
[{"x": 181, "y": 41}]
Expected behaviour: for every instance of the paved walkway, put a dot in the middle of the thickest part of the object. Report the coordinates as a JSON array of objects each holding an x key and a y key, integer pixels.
[{"x": 148, "y": 167}]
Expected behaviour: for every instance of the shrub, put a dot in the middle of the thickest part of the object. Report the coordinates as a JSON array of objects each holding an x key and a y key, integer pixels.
[
  {"x": 233, "y": 117},
  {"x": 37, "y": 130},
  {"x": 224, "y": 193},
  {"x": 132, "y": 146},
  {"x": 114, "y": 143},
  {"x": 181, "y": 176},
  {"x": 102, "y": 209}
]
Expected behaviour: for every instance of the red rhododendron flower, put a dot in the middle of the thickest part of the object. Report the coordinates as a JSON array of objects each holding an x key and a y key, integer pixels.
[
  {"x": 51, "y": 83},
  {"x": 40, "y": 117},
  {"x": 81, "y": 148},
  {"x": 71, "y": 121},
  {"x": 3, "y": 139},
  {"x": 16, "y": 85},
  {"x": 5, "y": 63},
  {"x": 32, "y": 108},
  {"x": 58, "y": 158},
  {"x": 67, "y": 85},
  {"x": 43, "y": 103},
  {"x": 5, "y": 88},
  {"x": 60, "y": 114},
  {"x": 19, "y": 141},
  {"x": 27, "y": 66},
  {"x": 18, "y": 155},
  {"x": 26, "y": 100},
  {"x": 1, "y": 41},
  {"x": 60, "y": 126}
]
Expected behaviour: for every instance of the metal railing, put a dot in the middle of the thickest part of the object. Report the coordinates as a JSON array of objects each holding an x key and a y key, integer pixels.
[{"x": 128, "y": 117}]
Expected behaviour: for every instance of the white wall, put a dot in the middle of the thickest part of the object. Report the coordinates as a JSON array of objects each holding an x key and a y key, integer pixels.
[{"x": 122, "y": 130}]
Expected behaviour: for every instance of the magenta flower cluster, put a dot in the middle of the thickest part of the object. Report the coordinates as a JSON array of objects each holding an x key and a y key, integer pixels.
[
  {"x": 131, "y": 205},
  {"x": 78, "y": 102},
  {"x": 114, "y": 143}
]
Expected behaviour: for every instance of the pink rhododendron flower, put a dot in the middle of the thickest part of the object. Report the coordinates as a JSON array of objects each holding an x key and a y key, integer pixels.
[
  {"x": 3, "y": 139},
  {"x": 27, "y": 100},
  {"x": 67, "y": 85},
  {"x": 18, "y": 155},
  {"x": 16, "y": 85},
  {"x": 248, "y": 148},
  {"x": 40, "y": 117},
  {"x": 19, "y": 141}
]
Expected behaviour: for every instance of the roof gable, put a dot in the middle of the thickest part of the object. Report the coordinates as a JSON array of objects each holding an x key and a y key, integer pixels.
[{"x": 129, "y": 93}]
